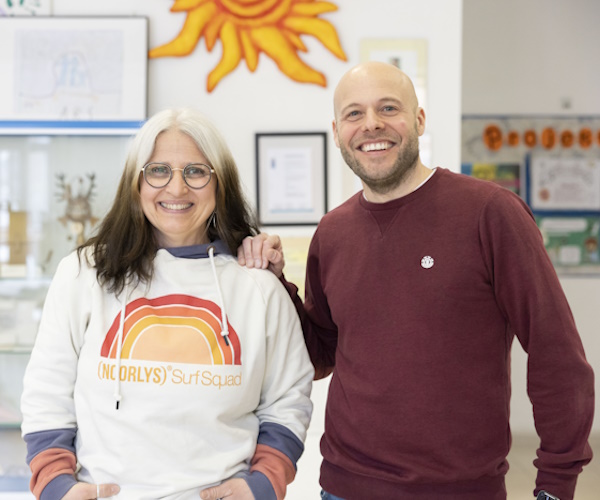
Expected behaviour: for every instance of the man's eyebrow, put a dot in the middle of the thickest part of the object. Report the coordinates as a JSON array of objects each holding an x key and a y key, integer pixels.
[
  {"x": 395, "y": 100},
  {"x": 383, "y": 100},
  {"x": 379, "y": 102},
  {"x": 349, "y": 106}
]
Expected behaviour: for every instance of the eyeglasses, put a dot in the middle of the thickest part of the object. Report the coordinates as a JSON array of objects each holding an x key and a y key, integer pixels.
[{"x": 195, "y": 175}]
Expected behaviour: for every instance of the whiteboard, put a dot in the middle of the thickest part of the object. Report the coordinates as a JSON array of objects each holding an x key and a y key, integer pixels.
[{"x": 73, "y": 69}]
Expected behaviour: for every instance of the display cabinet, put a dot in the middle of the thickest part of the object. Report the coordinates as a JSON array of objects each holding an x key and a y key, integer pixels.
[{"x": 53, "y": 191}]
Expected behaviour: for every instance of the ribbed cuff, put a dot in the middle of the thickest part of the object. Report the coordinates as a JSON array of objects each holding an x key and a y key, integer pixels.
[
  {"x": 58, "y": 487},
  {"x": 261, "y": 487}
]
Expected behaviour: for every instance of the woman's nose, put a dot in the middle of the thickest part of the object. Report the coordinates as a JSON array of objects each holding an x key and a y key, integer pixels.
[{"x": 177, "y": 183}]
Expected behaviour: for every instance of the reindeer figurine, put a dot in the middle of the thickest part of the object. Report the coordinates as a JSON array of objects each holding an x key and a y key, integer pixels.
[{"x": 79, "y": 209}]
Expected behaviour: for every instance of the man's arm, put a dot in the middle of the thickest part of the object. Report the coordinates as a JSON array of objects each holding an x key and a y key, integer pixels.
[
  {"x": 560, "y": 381},
  {"x": 265, "y": 251}
]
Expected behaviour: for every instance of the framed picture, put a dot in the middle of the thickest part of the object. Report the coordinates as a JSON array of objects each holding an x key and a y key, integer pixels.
[
  {"x": 64, "y": 73},
  {"x": 291, "y": 178},
  {"x": 561, "y": 185}
]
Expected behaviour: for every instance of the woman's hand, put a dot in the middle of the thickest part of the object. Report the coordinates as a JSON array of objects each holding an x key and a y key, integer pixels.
[
  {"x": 233, "y": 489},
  {"x": 86, "y": 491}
]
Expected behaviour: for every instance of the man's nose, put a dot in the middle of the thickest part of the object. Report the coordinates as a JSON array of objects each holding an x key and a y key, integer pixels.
[{"x": 372, "y": 120}]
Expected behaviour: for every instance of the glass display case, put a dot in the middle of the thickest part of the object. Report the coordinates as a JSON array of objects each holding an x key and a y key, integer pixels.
[{"x": 53, "y": 191}]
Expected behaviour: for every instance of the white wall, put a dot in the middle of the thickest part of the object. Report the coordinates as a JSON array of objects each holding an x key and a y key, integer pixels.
[
  {"x": 537, "y": 57},
  {"x": 267, "y": 101},
  {"x": 529, "y": 56}
]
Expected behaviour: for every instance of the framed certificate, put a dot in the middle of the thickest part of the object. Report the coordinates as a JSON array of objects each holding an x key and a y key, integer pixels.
[
  {"x": 563, "y": 185},
  {"x": 291, "y": 178}
]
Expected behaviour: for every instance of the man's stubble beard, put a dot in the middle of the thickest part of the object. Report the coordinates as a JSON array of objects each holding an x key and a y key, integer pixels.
[{"x": 405, "y": 163}]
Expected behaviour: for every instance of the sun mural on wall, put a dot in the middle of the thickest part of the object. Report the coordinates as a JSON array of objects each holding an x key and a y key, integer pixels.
[{"x": 248, "y": 27}]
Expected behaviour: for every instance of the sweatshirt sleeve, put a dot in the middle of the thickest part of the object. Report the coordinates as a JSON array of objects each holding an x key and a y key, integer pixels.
[
  {"x": 285, "y": 407},
  {"x": 49, "y": 421},
  {"x": 560, "y": 382},
  {"x": 320, "y": 332}
]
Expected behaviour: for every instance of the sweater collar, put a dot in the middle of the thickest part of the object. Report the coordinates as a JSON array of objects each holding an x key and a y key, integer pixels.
[{"x": 199, "y": 251}]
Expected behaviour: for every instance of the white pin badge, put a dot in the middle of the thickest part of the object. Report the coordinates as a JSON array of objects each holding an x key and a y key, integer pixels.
[{"x": 427, "y": 262}]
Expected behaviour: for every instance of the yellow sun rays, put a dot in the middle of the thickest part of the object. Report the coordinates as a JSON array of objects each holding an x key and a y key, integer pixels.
[{"x": 248, "y": 27}]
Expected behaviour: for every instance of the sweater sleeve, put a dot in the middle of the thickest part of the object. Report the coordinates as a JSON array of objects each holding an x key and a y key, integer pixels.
[
  {"x": 320, "y": 332},
  {"x": 51, "y": 457},
  {"x": 49, "y": 421},
  {"x": 560, "y": 382},
  {"x": 285, "y": 407}
]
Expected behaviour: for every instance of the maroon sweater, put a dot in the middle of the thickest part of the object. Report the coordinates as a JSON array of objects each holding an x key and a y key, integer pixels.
[{"x": 416, "y": 303}]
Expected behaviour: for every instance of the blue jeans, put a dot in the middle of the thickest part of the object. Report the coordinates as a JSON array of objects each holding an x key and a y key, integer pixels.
[{"x": 329, "y": 496}]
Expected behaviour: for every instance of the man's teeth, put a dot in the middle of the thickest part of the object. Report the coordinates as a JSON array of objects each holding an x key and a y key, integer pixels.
[
  {"x": 377, "y": 146},
  {"x": 176, "y": 206}
]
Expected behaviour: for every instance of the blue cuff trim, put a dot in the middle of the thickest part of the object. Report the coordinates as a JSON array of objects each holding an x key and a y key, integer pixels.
[
  {"x": 282, "y": 439},
  {"x": 58, "y": 487},
  {"x": 44, "y": 440},
  {"x": 261, "y": 487}
]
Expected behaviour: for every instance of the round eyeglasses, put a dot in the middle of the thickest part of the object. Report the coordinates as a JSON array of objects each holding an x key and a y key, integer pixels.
[{"x": 195, "y": 175}]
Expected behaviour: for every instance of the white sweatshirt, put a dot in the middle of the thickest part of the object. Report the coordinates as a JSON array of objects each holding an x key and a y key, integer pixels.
[{"x": 191, "y": 406}]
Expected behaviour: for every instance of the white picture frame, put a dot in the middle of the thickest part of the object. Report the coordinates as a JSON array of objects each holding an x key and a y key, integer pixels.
[{"x": 65, "y": 73}]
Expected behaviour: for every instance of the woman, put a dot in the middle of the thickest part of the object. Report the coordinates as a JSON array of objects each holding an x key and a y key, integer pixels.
[{"x": 162, "y": 368}]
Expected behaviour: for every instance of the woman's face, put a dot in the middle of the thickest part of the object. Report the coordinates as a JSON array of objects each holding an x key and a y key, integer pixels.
[{"x": 178, "y": 213}]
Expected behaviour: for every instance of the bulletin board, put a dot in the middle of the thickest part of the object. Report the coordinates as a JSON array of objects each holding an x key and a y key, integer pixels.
[
  {"x": 74, "y": 70},
  {"x": 553, "y": 163}
]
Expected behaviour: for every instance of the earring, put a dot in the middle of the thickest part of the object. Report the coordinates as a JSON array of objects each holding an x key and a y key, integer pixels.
[{"x": 213, "y": 219}]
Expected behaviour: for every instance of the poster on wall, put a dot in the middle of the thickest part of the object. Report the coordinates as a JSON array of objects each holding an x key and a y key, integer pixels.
[
  {"x": 572, "y": 242},
  {"x": 72, "y": 69},
  {"x": 507, "y": 175},
  {"x": 564, "y": 184},
  {"x": 559, "y": 177}
]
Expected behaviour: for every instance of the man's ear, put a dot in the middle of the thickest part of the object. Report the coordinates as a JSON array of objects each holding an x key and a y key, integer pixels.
[
  {"x": 335, "y": 135},
  {"x": 420, "y": 120}
]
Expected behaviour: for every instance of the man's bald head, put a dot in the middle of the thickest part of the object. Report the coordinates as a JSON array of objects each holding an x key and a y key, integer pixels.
[{"x": 372, "y": 75}]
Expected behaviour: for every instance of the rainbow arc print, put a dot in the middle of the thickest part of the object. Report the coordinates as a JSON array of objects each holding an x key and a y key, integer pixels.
[{"x": 173, "y": 328}]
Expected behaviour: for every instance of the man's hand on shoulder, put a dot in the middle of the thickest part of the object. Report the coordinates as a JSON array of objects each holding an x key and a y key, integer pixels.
[{"x": 262, "y": 251}]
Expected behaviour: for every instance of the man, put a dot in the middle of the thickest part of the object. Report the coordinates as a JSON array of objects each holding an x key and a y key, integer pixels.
[{"x": 415, "y": 289}]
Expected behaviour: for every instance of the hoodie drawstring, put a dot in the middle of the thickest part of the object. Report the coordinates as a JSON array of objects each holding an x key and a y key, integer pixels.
[
  {"x": 117, "y": 394},
  {"x": 224, "y": 326}
]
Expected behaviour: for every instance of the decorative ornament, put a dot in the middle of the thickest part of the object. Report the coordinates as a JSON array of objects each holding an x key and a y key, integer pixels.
[
  {"x": 79, "y": 209},
  {"x": 247, "y": 28}
]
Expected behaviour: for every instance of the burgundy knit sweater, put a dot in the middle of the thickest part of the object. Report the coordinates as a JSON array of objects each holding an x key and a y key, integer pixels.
[{"x": 416, "y": 303}]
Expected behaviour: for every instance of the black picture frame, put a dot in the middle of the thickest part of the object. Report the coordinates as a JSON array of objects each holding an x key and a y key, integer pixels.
[{"x": 291, "y": 178}]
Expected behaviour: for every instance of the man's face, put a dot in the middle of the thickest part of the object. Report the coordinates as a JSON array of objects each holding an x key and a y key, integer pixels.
[{"x": 377, "y": 128}]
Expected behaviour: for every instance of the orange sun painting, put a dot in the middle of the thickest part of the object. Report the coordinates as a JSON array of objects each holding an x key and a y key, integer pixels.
[{"x": 248, "y": 27}]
